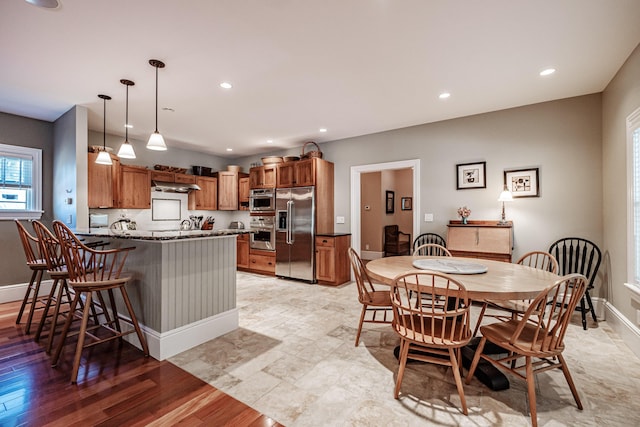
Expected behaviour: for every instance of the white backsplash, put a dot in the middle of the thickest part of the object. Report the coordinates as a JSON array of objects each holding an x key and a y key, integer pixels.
[{"x": 144, "y": 217}]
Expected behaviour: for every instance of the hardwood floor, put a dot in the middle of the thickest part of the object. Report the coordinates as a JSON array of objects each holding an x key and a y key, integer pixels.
[{"x": 116, "y": 386}]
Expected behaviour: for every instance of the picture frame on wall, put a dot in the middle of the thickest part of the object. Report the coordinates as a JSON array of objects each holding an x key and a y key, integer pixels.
[
  {"x": 390, "y": 201},
  {"x": 405, "y": 203},
  {"x": 523, "y": 182},
  {"x": 471, "y": 175}
]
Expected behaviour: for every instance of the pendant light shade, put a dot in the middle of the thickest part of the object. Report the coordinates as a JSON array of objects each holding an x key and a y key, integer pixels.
[
  {"x": 126, "y": 149},
  {"x": 103, "y": 156},
  {"x": 156, "y": 141}
]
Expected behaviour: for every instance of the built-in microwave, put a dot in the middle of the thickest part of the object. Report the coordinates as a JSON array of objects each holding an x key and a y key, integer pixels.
[{"x": 262, "y": 200}]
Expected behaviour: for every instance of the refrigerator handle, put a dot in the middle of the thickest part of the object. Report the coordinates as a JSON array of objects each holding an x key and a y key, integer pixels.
[
  {"x": 292, "y": 238},
  {"x": 289, "y": 222}
]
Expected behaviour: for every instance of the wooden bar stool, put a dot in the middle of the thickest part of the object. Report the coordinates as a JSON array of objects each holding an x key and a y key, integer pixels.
[
  {"x": 92, "y": 270},
  {"x": 38, "y": 266}
]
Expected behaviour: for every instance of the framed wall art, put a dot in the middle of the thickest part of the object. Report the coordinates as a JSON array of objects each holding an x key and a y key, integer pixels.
[
  {"x": 471, "y": 175},
  {"x": 405, "y": 203},
  {"x": 523, "y": 182},
  {"x": 390, "y": 202}
]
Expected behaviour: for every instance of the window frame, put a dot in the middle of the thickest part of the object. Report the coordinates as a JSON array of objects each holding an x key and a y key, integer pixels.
[{"x": 36, "y": 183}]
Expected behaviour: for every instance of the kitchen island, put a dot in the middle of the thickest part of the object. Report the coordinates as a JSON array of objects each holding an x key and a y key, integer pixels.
[{"x": 183, "y": 286}]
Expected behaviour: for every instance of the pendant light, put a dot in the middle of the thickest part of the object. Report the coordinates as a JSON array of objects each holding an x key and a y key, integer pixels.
[
  {"x": 103, "y": 156},
  {"x": 156, "y": 141},
  {"x": 126, "y": 149}
]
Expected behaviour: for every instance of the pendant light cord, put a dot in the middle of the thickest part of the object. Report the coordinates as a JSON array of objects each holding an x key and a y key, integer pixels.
[
  {"x": 126, "y": 125},
  {"x": 156, "y": 98},
  {"x": 104, "y": 124}
]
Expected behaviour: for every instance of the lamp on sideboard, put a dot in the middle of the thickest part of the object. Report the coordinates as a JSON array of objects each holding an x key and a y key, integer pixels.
[{"x": 505, "y": 196}]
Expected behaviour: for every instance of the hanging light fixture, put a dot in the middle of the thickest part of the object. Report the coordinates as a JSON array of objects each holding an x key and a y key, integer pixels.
[
  {"x": 103, "y": 156},
  {"x": 156, "y": 141},
  {"x": 126, "y": 149}
]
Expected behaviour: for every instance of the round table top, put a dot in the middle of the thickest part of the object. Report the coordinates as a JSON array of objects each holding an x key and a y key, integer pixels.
[{"x": 502, "y": 280}]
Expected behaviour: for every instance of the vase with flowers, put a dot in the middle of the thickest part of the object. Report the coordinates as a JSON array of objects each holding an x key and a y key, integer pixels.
[{"x": 464, "y": 213}]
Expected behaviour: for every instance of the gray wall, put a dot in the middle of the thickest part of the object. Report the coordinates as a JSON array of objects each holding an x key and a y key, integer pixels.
[
  {"x": 620, "y": 98},
  {"x": 24, "y": 132}
]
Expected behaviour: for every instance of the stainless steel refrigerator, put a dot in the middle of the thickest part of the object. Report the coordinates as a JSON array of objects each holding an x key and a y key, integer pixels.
[{"x": 295, "y": 233}]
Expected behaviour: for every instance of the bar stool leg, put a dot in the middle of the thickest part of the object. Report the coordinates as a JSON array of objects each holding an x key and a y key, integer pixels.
[
  {"x": 81, "y": 337},
  {"x": 34, "y": 301},
  {"x": 26, "y": 295},
  {"x": 56, "y": 312},
  {"x": 65, "y": 330},
  {"x": 134, "y": 321},
  {"x": 43, "y": 319}
]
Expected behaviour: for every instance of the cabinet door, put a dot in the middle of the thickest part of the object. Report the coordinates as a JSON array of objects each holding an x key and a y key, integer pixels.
[
  {"x": 242, "y": 258},
  {"x": 183, "y": 178},
  {"x": 285, "y": 175},
  {"x": 207, "y": 197},
  {"x": 325, "y": 263},
  {"x": 227, "y": 191},
  {"x": 243, "y": 193},
  {"x": 305, "y": 173},
  {"x": 163, "y": 176},
  {"x": 101, "y": 183},
  {"x": 135, "y": 188},
  {"x": 269, "y": 176},
  {"x": 256, "y": 177}
]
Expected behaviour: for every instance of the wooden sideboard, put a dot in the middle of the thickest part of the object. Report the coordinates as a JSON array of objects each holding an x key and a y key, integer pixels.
[{"x": 481, "y": 239}]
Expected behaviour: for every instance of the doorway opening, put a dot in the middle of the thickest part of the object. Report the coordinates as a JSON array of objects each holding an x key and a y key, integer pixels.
[{"x": 356, "y": 196}]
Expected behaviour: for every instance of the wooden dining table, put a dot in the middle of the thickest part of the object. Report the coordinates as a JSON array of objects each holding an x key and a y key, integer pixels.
[{"x": 501, "y": 281}]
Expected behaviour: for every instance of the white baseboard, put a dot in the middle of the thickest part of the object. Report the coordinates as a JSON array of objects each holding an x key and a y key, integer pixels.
[
  {"x": 167, "y": 344},
  {"x": 16, "y": 292},
  {"x": 629, "y": 332}
]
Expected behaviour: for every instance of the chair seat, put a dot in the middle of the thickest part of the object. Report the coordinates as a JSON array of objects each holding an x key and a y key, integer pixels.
[
  {"x": 501, "y": 332},
  {"x": 426, "y": 331},
  {"x": 378, "y": 299}
]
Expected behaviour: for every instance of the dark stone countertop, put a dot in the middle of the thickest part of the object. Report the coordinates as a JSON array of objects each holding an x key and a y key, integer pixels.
[{"x": 157, "y": 234}]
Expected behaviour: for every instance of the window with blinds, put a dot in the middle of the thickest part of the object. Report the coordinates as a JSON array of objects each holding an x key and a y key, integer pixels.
[{"x": 20, "y": 181}]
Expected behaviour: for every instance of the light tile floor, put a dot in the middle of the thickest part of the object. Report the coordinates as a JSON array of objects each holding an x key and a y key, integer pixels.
[{"x": 293, "y": 358}]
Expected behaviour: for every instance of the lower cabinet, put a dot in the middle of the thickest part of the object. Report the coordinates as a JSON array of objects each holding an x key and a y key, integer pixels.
[
  {"x": 262, "y": 261},
  {"x": 332, "y": 259},
  {"x": 242, "y": 257}
]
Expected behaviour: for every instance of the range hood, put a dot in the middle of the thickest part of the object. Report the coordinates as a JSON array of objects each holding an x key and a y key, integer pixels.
[{"x": 173, "y": 187}]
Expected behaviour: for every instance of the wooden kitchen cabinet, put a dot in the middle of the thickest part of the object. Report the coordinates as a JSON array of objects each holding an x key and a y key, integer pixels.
[
  {"x": 480, "y": 239},
  {"x": 242, "y": 256},
  {"x": 101, "y": 184},
  {"x": 134, "y": 188},
  {"x": 183, "y": 178},
  {"x": 262, "y": 261},
  {"x": 263, "y": 176},
  {"x": 164, "y": 176},
  {"x": 205, "y": 199},
  {"x": 332, "y": 259},
  {"x": 243, "y": 193},
  {"x": 228, "y": 190},
  {"x": 303, "y": 173}
]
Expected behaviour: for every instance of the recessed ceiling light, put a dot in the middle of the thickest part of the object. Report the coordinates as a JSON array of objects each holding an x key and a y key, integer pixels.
[
  {"x": 444, "y": 95},
  {"x": 49, "y": 4},
  {"x": 229, "y": 149},
  {"x": 128, "y": 126},
  {"x": 226, "y": 85},
  {"x": 269, "y": 141},
  {"x": 168, "y": 109},
  {"x": 547, "y": 72},
  {"x": 323, "y": 129}
]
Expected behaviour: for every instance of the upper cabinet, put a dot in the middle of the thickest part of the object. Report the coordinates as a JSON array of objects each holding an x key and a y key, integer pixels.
[
  {"x": 102, "y": 182},
  {"x": 243, "y": 193},
  {"x": 303, "y": 173},
  {"x": 163, "y": 176},
  {"x": 263, "y": 176},
  {"x": 134, "y": 187},
  {"x": 229, "y": 190},
  {"x": 205, "y": 199}
]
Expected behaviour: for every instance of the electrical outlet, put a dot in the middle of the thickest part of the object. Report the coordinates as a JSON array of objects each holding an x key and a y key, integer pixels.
[
  {"x": 366, "y": 248},
  {"x": 428, "y": 217},
  {"x": 70, "y": 219},
  {"x": 339, "y": 220}
]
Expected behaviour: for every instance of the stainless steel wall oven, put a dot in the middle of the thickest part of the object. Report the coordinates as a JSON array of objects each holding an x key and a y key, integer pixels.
[
  {"x": 263, "y": 234},
  {"x": 262, "y": 200}
]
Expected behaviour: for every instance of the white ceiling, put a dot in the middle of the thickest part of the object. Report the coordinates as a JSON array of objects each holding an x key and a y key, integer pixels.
[{"x": 352, "y": 66}]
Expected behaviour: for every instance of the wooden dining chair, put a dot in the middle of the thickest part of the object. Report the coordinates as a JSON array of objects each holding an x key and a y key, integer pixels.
[
  {"x": 511, "y": 308},
  {"x": 426, "y": 238},
  {"x": 537, "y": 337},
  {"x": 375, "y": 303},
  {"x": 578, "y": 255},
  {"x": 429, "y": 330},
  {"x": 395, "y": 241},
  {"x": 93, "y": 270},
  {"x": 38, "y": 266},
  {"x": 431, "y": 249}
]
